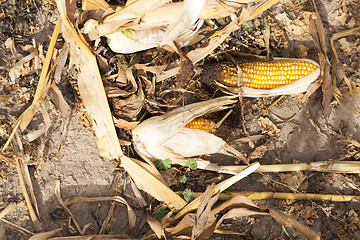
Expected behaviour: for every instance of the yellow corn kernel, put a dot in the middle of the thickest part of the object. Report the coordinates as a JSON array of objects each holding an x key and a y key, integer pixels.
[
  {"x": 202, "y": 124},
  {"x": 265, "y": 75}
]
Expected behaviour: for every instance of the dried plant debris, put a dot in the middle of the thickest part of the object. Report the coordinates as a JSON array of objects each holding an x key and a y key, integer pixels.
[
  {"x": 147, "y": 73},
  {"x": 167, "y": 136}
]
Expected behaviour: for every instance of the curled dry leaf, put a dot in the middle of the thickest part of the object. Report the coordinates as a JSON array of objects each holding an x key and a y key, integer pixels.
[
  {"x": 267, "y": 126},
  {"x": 291, "y": 222},
  {"x": 327, "y": 85},
  {"x": 207, "y": 201},
  {"x": 184, "y": 20},
  {"x": 293, "y": 179},
  {"x": 130, "y": 107},
  {"x": 317, "y": 32},
  {"x": 45, "y": 235},
  {"x": 156, "y": 226},
  {"x": 258, "y": 152}
]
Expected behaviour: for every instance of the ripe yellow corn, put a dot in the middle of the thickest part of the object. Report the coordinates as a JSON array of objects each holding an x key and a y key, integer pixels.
[
  {"x": 265, "y": 75},
  {"x": 202, "y": 124}
]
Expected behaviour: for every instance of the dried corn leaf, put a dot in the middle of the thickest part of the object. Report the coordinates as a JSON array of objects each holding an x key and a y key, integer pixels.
[
  {"x": 9, "y": 208},
  {"x": 327, "y": 84},
  {"x": 291, "y": 222},
  {"x": 236, "y": 206},
  {"x": 261, "y": 7},
  {"x": 37, "y": 133},
  {"x": 28, "y": 192},
  {"x": 63, "y": 56},
  {"x": 156, "y": 226},
  {"x": 146, "y": 181},
  {"x": 317, "y": 30},
  {"x": 120, "y": 123},
  {"x": 318, "y": 33},
  {"x": 62, "y": 204},
  {"x": 91, "y": 90},
  {"x": 45, "y": 235},
  {"x": 207, "y": 201},
  {"x": 139, "y": 198}
]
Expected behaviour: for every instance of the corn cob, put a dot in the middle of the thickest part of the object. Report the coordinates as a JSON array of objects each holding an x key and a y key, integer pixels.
[
  {"x": 265, "y": 75},
  {"x": 262, "y": 79},
  {"x": 202, "y": 124}
]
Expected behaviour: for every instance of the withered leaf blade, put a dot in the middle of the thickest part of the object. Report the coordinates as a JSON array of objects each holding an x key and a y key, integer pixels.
[
  {"x": 91, "y": 89},
  {"x": 291, "y": 222},
  {"x": 207, "y": 201},
  {"x": 9, "y": 208},
  {"x": 59, "y": 101},
  {"x": 144, "y": 177},
  {"x": 155, "y": 225},
  {"x": 28, "y": 191},
  {"x": 317, "y": 31},
  {"x": 327, "y": 85}
]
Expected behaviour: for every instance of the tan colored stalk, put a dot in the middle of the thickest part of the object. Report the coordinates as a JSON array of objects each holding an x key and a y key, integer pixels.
[{"x": 277, "y": 195}]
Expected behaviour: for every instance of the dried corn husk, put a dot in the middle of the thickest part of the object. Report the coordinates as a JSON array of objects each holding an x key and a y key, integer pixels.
[
  {"x": 180, "y": 22},
  {"x": 129, "y": 41},
  {"x": 166, "y": 136}
]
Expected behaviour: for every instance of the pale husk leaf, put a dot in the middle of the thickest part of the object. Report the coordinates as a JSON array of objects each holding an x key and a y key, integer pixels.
[
  {"x": 91, "y": 90},
  {"x": 184, "y": 20}
]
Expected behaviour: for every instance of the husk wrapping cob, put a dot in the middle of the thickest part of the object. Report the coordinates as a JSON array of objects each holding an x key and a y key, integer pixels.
[
  {"x": 267, "y": 78},
  {"x": 169, "y": 135}
]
